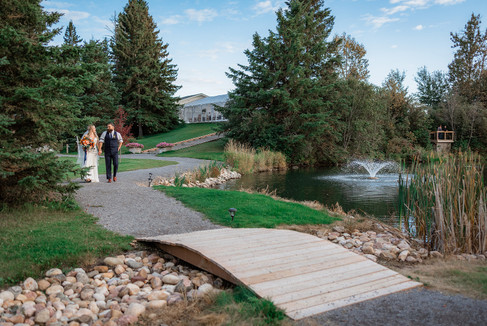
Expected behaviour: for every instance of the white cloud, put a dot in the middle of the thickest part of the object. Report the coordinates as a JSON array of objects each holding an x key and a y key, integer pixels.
[
  {"x": 394, "y": 46},
  {"x": 223, "y": 48},
  {"x": 394, "y": 10},
  {"x": 377, "y": 22},
  {"x": 263, "y": 7},
  {"x": 404, "y": 7},
  {"x": 173, "y": 20},
  {"x": 419, "y": 27},
  {"x": 203, "y": 15},
  {"x": 56, "y": 4},
  {"x": 71, "y": 14},
  {"x": 448, "y": 2}
]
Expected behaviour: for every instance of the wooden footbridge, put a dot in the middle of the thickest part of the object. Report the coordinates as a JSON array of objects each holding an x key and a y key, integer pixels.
[{"x": 302, "y": 274}]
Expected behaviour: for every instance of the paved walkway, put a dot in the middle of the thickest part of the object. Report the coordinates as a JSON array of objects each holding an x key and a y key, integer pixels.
[
  {"x": 197, "y": 142},
  {"x": 127, "y": 207}
]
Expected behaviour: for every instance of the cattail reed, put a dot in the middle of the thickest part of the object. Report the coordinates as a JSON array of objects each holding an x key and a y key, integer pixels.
[{"x": 443, "y": 202}]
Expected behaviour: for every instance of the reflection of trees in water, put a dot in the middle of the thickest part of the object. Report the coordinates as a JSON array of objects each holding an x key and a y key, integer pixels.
[{"x": 329, "y": 186}]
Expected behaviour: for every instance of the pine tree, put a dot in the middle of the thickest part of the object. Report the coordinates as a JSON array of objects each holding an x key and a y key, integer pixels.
[
  {"x": 143, "y": 73},
  {"x": 35, "y": 110},
  {"x": 100, "y": 97},
  {"x": 70, "y": 36},
  {"x": 468, "y": 70},
  {"x": 283, "y": 98}
]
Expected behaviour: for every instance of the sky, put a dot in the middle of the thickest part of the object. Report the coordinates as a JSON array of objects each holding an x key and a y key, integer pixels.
[{"x": 207, "y": 37}]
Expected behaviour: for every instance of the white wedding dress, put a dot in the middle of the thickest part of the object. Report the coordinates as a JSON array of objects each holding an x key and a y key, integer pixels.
[{"x": 91, "y": 160}]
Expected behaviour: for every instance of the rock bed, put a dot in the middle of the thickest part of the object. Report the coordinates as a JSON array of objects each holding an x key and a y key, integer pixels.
[
  {"x": 385, "y": 245},
  {"x": 116, "y": 292},
  {"x": 225, "y": 175}
]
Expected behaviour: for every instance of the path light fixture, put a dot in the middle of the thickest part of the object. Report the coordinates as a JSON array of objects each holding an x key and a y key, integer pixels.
[
  {"x": 232, "y": 212},
  {"x": 150, "y": 179}
]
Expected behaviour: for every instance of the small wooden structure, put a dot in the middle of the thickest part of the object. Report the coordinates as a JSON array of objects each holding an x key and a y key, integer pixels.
[
  {"x": 442, "y": 140},
  {"x": 302, "y": 274}
]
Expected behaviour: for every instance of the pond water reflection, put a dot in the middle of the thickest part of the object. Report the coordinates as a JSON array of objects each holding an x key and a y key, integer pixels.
[{"x": 377, "y": 197}]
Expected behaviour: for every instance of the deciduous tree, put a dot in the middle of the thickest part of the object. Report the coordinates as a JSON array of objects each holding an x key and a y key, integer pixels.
[{"x": 353, "y": 62}]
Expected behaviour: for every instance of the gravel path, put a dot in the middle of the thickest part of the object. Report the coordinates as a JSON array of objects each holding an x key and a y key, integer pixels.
[
  {"x": 414, "y": 307},
  {"x": 126, "y": 207}
]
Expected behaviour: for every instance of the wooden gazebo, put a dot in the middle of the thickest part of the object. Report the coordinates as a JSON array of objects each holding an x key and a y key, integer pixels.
[{"x": 442, "y": 140}]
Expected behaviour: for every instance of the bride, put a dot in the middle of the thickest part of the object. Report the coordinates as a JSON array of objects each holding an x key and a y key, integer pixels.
[{"x": 88, "y": 153}]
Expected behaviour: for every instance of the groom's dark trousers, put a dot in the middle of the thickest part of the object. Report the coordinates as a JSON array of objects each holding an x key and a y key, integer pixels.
[{"x": 111, "y": 154}]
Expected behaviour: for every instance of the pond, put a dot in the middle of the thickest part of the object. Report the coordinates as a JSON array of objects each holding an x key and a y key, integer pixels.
[{"x": 378, "y": 197}]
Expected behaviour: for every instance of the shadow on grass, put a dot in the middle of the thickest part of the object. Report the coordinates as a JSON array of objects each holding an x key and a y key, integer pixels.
[{"x": 36, "y": 238}]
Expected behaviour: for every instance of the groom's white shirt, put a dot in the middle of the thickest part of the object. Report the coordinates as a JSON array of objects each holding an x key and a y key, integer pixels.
[{"x": 103, "y": 135}]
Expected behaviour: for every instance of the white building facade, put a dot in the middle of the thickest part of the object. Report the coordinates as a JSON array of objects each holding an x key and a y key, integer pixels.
[{"x": 200, "y": 108}]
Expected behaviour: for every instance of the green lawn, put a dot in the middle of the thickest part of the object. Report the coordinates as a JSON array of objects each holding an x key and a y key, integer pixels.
[
  {"x": 254, "y": 210},
  {"x": 128, "y": 164},
  {"x": 207, "y": 151},
  {"x": 35, "y": 239},
  {"x": 187, "y": 132}
]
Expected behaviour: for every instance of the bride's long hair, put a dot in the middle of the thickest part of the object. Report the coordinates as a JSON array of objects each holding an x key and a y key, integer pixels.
[{"x": 90, "y": 127}]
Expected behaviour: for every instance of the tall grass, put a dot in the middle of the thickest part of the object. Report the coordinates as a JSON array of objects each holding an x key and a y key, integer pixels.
[
  {"x": 246, "y": 159},
  {"x": 444, "y": 202},
  {"x": 200, "y": 174}
]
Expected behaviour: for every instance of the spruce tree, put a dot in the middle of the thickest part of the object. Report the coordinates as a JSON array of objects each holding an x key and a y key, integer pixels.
[
  {"x": 143, "y": 73},
  {"x": 468, "y": 70},
  {"x": 70, "y": 36},
  {"x": 35, "y": 110},
  {"x": 284, "y": 98},
  {"x": 100, "y": 97}
]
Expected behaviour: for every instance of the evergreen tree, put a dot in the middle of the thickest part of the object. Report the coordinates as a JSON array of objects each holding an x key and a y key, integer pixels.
[
  {"x": 100, "y": 97},
  {"x": 143, "y": 73},
  {"x": 70, "y": 36},
  {"x": 35, "y": 110},
  {"x": 468, "y": 69},
  {"x": 432, "y": 87},
  {"x": 284, "y": 98},
  {"x": 468, "y": 78}
]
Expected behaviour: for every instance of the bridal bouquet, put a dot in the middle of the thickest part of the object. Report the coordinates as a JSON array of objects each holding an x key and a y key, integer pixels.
[{"x": 87, "y": 143}]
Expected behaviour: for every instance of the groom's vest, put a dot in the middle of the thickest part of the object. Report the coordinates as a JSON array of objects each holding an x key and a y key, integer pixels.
[{"x": 111, "y": 143}]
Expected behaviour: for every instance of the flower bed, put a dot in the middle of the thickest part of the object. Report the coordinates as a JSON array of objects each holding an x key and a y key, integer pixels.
[
  {"x": 164, "y": 145},
  {"x": 135, "y": 148}
]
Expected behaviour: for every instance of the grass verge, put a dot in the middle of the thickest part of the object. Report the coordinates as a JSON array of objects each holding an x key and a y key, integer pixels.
[
  {"x": 127, "y": 164},
  {"x": 36, "y": 238},
  {"x": 188, "y": 131},
  {"x": 450, "y": 275},
  {"x": 253, "y": 210},
  {"x": 212, "y": 151}
]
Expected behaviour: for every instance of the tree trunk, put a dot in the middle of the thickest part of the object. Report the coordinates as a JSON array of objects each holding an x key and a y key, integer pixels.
[{"x": 140, "y": 131}]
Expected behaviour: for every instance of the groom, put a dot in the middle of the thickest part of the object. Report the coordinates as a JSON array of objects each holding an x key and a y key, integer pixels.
[{"x": 113, "y": 141}]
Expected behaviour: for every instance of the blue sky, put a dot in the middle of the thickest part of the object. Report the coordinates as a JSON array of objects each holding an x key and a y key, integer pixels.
[{"x": 206, "y": 37}]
